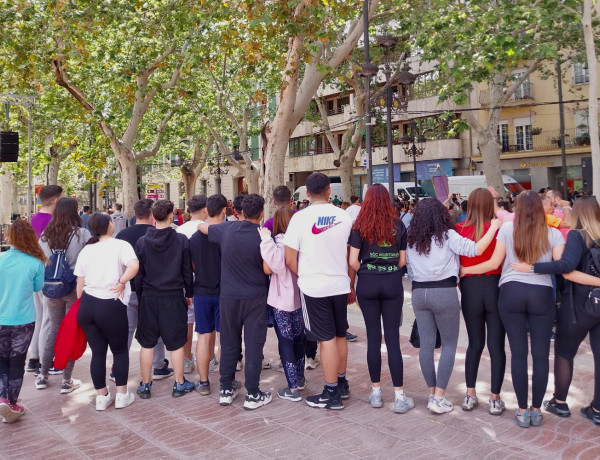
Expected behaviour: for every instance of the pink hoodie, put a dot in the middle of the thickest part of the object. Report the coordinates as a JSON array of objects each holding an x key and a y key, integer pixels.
[{"x": 283, "y": 290}]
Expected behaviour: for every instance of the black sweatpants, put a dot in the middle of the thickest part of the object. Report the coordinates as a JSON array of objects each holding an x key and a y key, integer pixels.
[
  {"x": 14, "y": 342},
  {"x": 479, "y": 301},
  {"x": 252, "y": 316},
  {"x": 569, "y": 336},
  {"x": 382, "y": 296},
  {"x": 521, "y": 304},
  {"x": 104, "y": 322}
]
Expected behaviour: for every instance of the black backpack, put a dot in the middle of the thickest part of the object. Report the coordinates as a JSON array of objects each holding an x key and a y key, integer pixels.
[
  {"x": 59, "y": 279},
  {"x": 591, "y": 266}
]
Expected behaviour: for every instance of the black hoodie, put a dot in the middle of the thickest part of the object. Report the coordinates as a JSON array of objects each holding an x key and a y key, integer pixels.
[{"x": 165, "y": 264}]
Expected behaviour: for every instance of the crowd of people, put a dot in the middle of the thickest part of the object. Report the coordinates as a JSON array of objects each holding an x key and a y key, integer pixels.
[{"x": 228, "y": 276}]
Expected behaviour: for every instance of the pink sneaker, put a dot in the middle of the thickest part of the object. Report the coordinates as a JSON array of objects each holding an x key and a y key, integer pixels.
[{"x": 13, "y": 414}]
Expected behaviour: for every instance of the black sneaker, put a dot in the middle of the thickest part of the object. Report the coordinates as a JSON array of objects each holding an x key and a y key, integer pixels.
[
  {"x": 589, "y": 413},
  {"x": 163, "y": 372},
  {"x": 351, "y": 337},
  {"x": 560, "y": 409},
  {"x": 261, "y": 398},
  {"x": 33, "y": 365},
  {"x": 144, "y": 390},
  {"x": 180, "y": 389},
  {"x": 328, "y": 399},
  {"x": 344, "y": 387}
]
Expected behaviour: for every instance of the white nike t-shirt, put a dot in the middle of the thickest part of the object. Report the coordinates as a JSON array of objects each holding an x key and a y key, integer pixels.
[{"x": 320, "y": 235}]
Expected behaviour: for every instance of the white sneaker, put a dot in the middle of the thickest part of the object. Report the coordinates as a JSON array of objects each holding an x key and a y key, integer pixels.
[
  {"x": 213, "y": 365},
  {"x": 469, "y": 403},
  {"x": 103, "y": 401},
  {"x": 239, "y": 365},
  {"x": 124, "y": 399},
  {"x": 188, "y": 365},
  {"x": 266, "y": 363},
  {"x": 430, "y": 401},
  {"x": 496, "y": 406},
  {"x": 441, "y": 407},
  {"x": 312, "y": 363}
]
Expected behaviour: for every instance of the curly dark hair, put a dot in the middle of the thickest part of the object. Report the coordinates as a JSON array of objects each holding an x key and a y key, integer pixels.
[
  {"x": 65, "y": 221},
  {"x": 431, "y": 221}
]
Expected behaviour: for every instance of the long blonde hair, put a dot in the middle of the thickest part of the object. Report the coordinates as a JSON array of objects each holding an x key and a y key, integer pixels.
[
  {"x": 530, "y": 235},
  {"x": 586, "y": 219}
]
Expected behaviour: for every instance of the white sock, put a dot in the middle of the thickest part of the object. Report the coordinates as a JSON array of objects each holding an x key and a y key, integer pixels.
[
  {"x": 376, "y": 390},
  {"x": 399, "y": 394},
  {"x": 439, "y": 398}
]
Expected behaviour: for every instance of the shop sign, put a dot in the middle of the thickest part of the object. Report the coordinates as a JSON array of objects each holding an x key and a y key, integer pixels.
[{"x": 533, "y": 164}]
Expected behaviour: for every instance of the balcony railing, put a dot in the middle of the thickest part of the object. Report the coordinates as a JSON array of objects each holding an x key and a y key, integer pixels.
[
  {"x": 546, "y": 140},
  {"x": 316, "y": 151},
  {"x": 523, "y": 94},
  {"x": 335, "y": 111}
]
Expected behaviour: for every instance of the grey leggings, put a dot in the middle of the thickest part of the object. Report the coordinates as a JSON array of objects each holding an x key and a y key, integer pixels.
[
  {"x": 56, "y": 309},
  {"x": 437, "y": 308}
]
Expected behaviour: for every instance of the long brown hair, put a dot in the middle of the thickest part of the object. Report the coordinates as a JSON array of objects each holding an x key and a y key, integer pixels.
[
  {"x": 530, "y": 234},
  {"x": 21, "y": 236},
  {"x": 375, "y": 221},
  {"x": 64, "y": 221},
  {"x": 480, "y": 209},
  {"x": 586, "y": 219},
  {"x": 281, "y": 220}
]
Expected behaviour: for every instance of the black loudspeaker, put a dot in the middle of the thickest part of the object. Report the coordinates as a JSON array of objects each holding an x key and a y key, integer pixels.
[
  {"x": 586, "y": 174},
  {"x": 9, "y": 146}
]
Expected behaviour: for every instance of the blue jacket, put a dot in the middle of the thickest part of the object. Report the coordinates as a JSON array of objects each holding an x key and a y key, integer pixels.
[{"x": 20, "y": 276}]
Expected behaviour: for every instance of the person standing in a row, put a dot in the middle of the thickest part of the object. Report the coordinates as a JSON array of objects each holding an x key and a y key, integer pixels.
[
  {"x": 479, "y": 301},
  {"x": 433, "y": 254},
  {"x": 21, "y": 274},
  {"x": 378, "y": 255},
  {"x": 526, "y": 299},
  {"x": 104, "y": 268}
]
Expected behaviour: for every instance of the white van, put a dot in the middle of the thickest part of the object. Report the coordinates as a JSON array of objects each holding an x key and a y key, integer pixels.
[
  {"x": 300, "y": 193},
  {"x": 405, "y": 190},
  {"x": 466, "y": 184}
]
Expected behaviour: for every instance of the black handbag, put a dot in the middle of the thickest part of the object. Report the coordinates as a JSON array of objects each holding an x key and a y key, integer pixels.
[{"x": 415, "y": 340}]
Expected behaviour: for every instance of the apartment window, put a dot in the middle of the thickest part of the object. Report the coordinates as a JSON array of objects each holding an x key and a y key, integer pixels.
[
  {"x": 503, "y": 136},
  {"x": 342, "y": 101},
  {"x": 581, "y": 122},
  {"x": 523, "y": 137},
  {"x": 581, "y": 73},
  {"x": 426, "y": 85},
  {"x": 524, "y": 89}
]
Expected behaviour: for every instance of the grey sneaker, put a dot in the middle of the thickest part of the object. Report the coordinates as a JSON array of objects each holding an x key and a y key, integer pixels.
[
  {"x": 213, "y": 366},
  {"x": 441, "y": 406},
  {"x": 302, "y": 384},
  {"x": 375, "y": 399},
  {"x": 523, "y": 419},
  {"x": 536, "y": 418},
  {"x": 266, "y": 363},
  {"x": 239, "y": 365},
  {"x": 203, "y": 388},
  {"x": 41, "y": 382},
  {"x": 496, "y": 406},
  {"x": 188, "y": 365},
  {"x": 286, "y": 393},
  {"x": 403, "y": 404},
  {"x": 469, "y": 403},
  {"x": 68, "y": 387}
]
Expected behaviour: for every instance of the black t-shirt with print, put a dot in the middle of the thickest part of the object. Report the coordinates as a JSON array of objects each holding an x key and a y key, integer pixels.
[{"x": 379, "y": 257}]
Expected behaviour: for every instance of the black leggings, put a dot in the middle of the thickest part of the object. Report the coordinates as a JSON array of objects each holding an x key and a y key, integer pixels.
[
  {"x": 14, "y": 342},
  {"x": 104, "y": 322},
  {"x": 382, "y": 296},
  {"x": 569, "y": 336},
  {"x": 521, "y": 304},
  {"x": 479, "y": 299}
]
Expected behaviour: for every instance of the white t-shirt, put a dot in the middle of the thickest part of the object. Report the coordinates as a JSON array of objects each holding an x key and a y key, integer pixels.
[
  {"x": 102, "y": 264},
  {"x": 190, "y": 227},
  {"x": 320, "y": 235},
  {"x": 353, "y": 210}
]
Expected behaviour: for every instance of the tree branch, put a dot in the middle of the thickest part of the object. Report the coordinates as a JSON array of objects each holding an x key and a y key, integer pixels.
[{"x": 162, "y": 126}]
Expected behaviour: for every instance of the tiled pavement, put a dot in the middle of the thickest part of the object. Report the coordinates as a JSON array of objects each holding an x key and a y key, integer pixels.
[{"x": 68, "y": 426}]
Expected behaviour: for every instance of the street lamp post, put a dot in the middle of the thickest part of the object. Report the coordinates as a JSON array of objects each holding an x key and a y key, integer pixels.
[
  {"x": 398, "y": 103},
  {"x": 415, "y": 150},
  {"x": 218, "y": 168}
]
